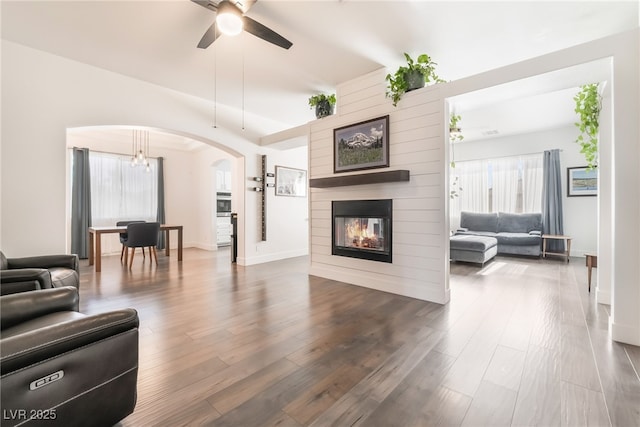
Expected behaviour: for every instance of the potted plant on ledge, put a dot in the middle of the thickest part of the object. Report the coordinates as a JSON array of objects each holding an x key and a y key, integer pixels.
[
  {"x": 412, "y": 76},
  {"x": 324, "y": 104}
]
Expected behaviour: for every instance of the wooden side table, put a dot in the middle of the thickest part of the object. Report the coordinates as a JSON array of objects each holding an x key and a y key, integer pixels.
[
  {"x": 592, "y": 262},
  {"x": 567, "y": 241}
]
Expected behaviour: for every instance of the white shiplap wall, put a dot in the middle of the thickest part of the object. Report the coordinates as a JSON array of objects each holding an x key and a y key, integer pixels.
[{"x": 420, "y": 241}]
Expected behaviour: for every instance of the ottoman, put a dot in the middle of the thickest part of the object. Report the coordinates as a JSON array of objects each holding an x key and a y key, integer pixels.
[{"x": 478, "y": 249}]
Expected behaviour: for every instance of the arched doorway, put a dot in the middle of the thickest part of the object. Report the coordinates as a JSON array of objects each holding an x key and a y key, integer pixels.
[{"x": 191, "y": 194}]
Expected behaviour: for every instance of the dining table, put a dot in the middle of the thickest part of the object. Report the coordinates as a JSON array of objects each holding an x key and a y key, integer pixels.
[{"x": 95, "y": 241}]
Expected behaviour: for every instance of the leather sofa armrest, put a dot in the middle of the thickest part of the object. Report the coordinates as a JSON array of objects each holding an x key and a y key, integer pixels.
[
  {"x": 27, "y": 285},
  {"x": 46, "y": 261},
  {"x": 19, "y": 351},
  {"x": 18, "y": 308},
  {"x": 24, "y": 279}
]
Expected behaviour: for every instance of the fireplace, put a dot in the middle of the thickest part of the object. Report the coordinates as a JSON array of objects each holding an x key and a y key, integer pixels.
[{"x": 362, "y": 229}]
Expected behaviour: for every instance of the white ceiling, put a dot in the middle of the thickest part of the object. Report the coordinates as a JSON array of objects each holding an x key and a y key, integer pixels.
[{"x": 333, "y": 42}]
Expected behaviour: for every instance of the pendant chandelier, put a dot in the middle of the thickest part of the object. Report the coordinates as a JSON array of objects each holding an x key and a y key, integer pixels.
[{"x": 140, "y": 149}]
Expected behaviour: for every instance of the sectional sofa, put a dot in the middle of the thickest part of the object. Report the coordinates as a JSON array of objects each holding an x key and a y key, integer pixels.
[{"x": 515, "y": 234}]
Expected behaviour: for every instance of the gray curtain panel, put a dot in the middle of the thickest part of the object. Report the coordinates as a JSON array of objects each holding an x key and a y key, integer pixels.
[
  {"x": 160, "y": 217},
  {"x": 80, "y": 203},
  {"x": 552, "y": 199}
]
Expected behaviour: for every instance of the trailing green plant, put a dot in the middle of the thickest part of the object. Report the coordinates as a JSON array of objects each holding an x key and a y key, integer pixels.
[
  {"x": 316, "y": 99},
  {"x": 455, "y": 135},
  {"x": 398, "y": 82},
  {"x": 455, "y": 188},
  {"x": 588, "y": 105}
]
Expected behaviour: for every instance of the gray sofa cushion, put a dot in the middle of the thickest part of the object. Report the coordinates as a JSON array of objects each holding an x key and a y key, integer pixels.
[
  {"x": 472, "y": 243},
  {"x": 518, "y": 223},
  {"x": 479, "y": 221},
  {"x": 518, "y": 239},
  {"x": 477, "y": 233}
]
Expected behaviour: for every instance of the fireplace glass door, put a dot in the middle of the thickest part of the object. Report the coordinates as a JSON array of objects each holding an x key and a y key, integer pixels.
[
  {"x": 361, "y": 234},
  {"x": 362, "y": 229}
]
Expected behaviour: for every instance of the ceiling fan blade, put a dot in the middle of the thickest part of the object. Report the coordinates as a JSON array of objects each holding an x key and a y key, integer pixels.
[
  {"x": 265, "y": 33},
  {"x": 209, "y": 37}
]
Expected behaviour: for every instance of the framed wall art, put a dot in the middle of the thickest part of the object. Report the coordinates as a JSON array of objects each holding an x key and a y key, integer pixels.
[
  {"x": 363, "y": 145},
  {"x": 582, "y": 181},
  {"x": 291, "y": 182}
]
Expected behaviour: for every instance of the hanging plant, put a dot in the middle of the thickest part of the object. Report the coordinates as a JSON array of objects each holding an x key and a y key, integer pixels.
[
  {"x": 455, "y": 135},
  {"x": 588, "y": 105},
  {"x": 412, "y": 76}
]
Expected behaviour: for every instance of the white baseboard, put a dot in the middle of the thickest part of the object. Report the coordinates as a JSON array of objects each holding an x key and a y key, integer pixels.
[
  {"x": 368, "y": 281},
  {"x": 203, "y": 246},
  {"x": 625, "y": 333},
  {"x": 602, "y": 296},
  {"x": 261, "y": 259}
]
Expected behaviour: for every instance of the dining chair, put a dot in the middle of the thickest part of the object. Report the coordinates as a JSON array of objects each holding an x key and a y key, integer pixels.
[
  {"x": 141, "y": 235},
  {"x": 123, "y": 236}
]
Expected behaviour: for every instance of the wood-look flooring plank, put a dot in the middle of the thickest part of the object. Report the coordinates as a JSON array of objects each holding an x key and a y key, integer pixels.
[
  {"x": 517, "y": 333},
  {"x": 633, "y": 353},
  {"x": 243, "y": 390},
  {"x": 539, "y": 395},
  {"x": 583, "y": 407},
  {"x": 467, "y": 371},
  {"x": 357, "y": 403},
  {"x": 577, "y": 364},
  {"x": 404, "y": 405},
  {"x": 505, "y": 368},
  {"x": 227, "y": 345},
  {"x": 445, "y": 408},
  {"x": 315, "y": 399},
  {"x": 492, "y": 406},
  {"x": 619, "y": 379}
]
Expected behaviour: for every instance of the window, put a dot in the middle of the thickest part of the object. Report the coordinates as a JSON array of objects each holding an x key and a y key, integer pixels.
[
  {"x": 120, "y": 191},
  {"x": 506, "y": 184}
]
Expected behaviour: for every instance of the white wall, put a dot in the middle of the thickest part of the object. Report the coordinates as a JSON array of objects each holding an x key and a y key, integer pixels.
[
  {"x": 287, "y": 217},
  {"x": 420, "y": 245},
  {"x": 43, "y": 95},
  {"x": 580, "y": 213}
]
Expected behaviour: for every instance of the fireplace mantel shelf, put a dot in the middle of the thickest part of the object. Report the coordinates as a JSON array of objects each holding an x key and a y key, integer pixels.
[{"x": 360, "y": 179}]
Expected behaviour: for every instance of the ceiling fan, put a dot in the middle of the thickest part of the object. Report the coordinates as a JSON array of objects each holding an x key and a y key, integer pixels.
[{"x": 231, "y": 19}]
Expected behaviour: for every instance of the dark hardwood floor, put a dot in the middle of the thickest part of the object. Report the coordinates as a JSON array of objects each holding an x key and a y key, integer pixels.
[{"x": 522, "y": 342}]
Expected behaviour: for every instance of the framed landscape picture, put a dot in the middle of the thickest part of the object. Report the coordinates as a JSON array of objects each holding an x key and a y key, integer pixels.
[
  {"x": 291, "y": 182},
  {"x": 582, "y": 181},
  {"x": 363, "y": 145}
]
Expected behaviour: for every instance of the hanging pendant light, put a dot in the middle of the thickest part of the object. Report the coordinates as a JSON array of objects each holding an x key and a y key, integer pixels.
[
  {"x": 140, "y": 149},
  {"x": 134, "y": 157},
  {"x": 148, "y": 168}
]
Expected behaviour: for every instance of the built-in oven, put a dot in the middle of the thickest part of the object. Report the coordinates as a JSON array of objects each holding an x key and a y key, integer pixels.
[{"x": 223, "y": 204}]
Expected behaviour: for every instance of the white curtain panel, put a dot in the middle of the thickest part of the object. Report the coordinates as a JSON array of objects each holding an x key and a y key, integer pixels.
[
  {"x": 120, "y": 191},
  {"x": 532, "y": 182},
  {"x": 473, "y": 179},
  {"x": 505, "y": 184}
]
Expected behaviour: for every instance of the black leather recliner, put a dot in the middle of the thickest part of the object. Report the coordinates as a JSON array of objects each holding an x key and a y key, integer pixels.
[
  {"x": 38, "y": 272},
  {"x": 63, "y": 368}
]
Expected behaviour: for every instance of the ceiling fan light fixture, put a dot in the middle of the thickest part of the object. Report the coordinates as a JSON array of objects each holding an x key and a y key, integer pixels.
[{"x": 229, "y": 19}]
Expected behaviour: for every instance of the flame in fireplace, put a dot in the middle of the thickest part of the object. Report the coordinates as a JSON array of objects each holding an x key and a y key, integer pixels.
[{"x": 359, "y": 234}]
